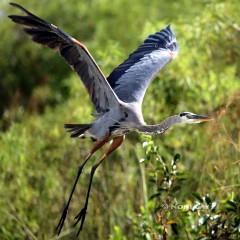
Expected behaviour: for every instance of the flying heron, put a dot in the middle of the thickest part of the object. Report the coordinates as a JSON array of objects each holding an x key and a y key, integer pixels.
[{"x": 117, "y": 98}]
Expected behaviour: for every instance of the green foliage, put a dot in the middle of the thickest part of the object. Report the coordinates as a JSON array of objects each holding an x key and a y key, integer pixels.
[
  {"x": 144, "y": 191},
  {"x": 166, "y": 216}
]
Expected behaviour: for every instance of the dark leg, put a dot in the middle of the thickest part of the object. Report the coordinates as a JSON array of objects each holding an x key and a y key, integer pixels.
[
  {"x": 82, "y": 214},
  {"x": 80, "y": 168}
]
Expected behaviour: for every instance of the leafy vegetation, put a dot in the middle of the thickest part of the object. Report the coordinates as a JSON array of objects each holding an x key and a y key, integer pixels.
[
  {"x": 166, "y": 214},
  {"x": 145, "y": 190}
]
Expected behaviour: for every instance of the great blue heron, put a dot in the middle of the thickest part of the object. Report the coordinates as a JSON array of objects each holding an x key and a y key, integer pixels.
[{"x": 118, "y": 98}]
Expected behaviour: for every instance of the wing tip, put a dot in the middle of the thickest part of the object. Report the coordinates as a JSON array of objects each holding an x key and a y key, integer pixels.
[
  {"x": 169, "y": 37},
  {"x": 168, "y": 26},
  {"x": 17, "y": 6},
  {"x": 170, "y": 30},
  {"x": 21, "y": 8},
  {"x": 13, "y": 4}
]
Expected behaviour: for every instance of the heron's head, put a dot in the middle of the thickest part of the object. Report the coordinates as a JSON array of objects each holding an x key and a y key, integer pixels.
[{"x": 188, "y": 117}]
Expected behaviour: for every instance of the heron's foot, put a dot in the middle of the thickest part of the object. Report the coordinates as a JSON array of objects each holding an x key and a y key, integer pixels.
[
  {"x": 62, "y": 220},
  {"x": 81, "y": 218}
]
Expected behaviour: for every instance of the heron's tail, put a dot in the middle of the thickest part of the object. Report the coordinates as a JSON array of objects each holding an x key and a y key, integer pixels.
[{"x": 77, "y": 130}]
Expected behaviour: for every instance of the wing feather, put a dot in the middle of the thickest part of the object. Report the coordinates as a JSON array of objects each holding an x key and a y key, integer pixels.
[
  {"x": 131, "y": 78},
  {"x": 74, "y": 52}
]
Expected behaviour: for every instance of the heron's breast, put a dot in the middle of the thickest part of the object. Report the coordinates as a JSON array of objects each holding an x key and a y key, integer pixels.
[{"x": 106, "y": 123}]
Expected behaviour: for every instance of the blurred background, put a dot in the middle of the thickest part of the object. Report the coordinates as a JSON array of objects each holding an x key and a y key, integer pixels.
[{"x": 39, "y": 93}]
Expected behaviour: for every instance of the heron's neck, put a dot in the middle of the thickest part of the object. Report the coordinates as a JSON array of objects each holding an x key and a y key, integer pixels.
[{"x": 160, "y": 128}]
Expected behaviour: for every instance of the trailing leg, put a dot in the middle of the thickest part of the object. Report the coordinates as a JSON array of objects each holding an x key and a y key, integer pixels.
[
  {"x": 98, "y": 145},
  {"x": 82, "y": 214}
]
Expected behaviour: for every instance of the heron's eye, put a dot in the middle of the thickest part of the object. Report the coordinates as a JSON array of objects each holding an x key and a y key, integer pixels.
[{"x": 183, "y": 114}]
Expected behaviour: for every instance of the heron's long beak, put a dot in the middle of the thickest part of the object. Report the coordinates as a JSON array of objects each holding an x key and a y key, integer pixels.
[{"x": 200, "y": 118}]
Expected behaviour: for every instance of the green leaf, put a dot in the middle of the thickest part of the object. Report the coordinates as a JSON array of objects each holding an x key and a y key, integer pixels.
[
  {"x": 177, "y": 157},
  {"x": 203, "y": 220},
  {"x": 232, "y": 204},
  {"x": 198, "y": 197},
  {"x": 154, "y": 195},
  {"x": 208, "y": 200}
]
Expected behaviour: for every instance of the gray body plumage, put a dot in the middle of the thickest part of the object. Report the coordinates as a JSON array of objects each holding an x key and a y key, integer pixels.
[
  {"x": 117, "y": 121},
  {"x": 124, "y": 119}
]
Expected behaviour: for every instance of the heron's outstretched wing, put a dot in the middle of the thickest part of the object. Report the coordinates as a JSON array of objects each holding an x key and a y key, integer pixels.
[
  {"x": 131, "y": 78},
  {"x": 74, "y": 52}
]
